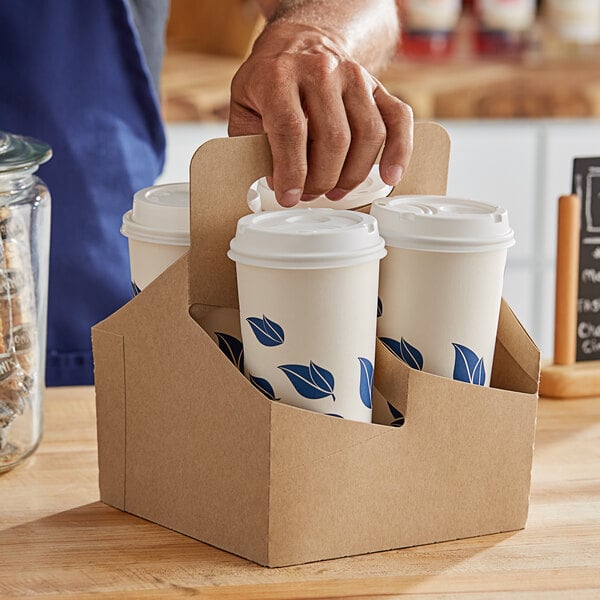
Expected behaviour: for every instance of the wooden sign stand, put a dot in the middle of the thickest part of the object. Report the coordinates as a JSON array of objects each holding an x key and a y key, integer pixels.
[{"x": 567, "y": 378}]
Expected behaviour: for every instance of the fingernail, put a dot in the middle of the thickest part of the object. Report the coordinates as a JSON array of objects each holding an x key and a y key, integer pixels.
[
  {"x": 290, "y": 197},
  {"x": 394, "y": 174},
  {"x": 308, "y": 197},
  {"x": 336, "y": 194}
]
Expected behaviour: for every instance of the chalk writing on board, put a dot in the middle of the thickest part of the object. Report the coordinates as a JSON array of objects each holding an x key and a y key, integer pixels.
[{"x": 586, "y": 184}]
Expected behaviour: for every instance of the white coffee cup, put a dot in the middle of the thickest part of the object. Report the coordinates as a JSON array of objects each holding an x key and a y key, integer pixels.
[
  {"x": 372, "y": 188},
  {"x": 307, "y": 284},
  {"x": 441, "y": 283},
  {"x": 158, "y": 230}
]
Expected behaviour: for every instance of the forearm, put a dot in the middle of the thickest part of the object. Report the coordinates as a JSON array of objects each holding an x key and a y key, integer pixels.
[{"x": 366, "y": 29}]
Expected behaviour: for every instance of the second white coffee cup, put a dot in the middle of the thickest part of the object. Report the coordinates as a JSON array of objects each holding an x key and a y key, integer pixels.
[
  {"x": 307, "y": 284},
  {"x": 158, "y": 230},
  {"x": 372, "y": 188},
  {"x": 441, "y": 283}
]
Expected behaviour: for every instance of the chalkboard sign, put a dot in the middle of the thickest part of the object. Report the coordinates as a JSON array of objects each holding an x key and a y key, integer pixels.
[{"x": 586, "y": 184}]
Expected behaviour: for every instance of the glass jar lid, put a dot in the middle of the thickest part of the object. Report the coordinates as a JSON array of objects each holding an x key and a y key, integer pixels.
[{"x": 18, "y": 153}]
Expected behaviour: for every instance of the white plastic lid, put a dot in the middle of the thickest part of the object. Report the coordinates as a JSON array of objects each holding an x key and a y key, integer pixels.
[
  {"x": 160, "y": 215},
  {"x": 442, "y": 224},
  {"x": 306, "y": 238},
  {"x": 372, "y": 188}
]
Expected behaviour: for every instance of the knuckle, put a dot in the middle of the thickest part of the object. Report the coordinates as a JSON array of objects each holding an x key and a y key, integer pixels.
[
  {"x": 292, "y": 176},
  {"x": 405, "y": 111},
  {"x": 279, "y": 73},
  {"x": 350, "y": 182},
  {"x": 314, "y": 189},
  {"x": 237, "y": 81},
  {"x": 320, "y": 185},
  {"x": 288, "y": 124},
  {"x": 370, "y": 131},
  {"x": 323, "y": 65},
  {"x": 356, "y": 73},
  {"x": 296, "y": 172},
  {"x": 338, "y": 138},
  {"x": 241, "y": 82},
  {"x": 399, "y": 110}
]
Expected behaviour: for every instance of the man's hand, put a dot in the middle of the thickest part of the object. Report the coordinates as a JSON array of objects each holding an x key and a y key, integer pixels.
[{"x": 325, "y": 115}]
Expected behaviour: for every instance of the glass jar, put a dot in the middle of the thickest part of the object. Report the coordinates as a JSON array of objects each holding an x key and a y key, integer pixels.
[{"x": 24, "y": 254}]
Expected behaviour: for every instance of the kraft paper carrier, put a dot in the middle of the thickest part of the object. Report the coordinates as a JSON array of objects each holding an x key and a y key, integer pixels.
[{"x": 186, "y": 441}]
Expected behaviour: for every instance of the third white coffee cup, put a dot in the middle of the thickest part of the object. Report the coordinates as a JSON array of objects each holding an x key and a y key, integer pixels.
[
  {"x": 441, "y": 283},
  {"x": 372, "y": 188},
  {"x": 158, "y": 230},
  {"x": 307, "y": 284}
]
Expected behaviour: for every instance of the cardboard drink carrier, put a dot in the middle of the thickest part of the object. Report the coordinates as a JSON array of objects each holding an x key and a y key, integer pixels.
[{"x": 186, "y": 441}]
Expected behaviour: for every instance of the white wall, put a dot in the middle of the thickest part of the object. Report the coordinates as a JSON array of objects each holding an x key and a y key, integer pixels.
[{"x": 521, "y": 165}]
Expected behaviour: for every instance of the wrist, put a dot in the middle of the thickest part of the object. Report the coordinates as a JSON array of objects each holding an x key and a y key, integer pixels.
[{"x": 286, "y": 34}]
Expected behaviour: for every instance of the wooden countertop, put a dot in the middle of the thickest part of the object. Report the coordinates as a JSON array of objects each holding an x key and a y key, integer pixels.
[{"x": 58, "y": 540}]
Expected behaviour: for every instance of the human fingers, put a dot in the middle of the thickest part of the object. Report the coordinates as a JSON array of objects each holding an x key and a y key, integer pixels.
[
  {"x": 329, "y": 138},
  {"x": 243, "y": 120},
  {"x": 279, "y": 113},
  {"x": 368, "y": 135},
  {"x": 399, "y": 123},
  {"x": 285, "y": 125}
]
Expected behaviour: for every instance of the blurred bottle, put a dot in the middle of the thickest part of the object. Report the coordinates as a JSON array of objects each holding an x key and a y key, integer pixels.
[
  {"x": 428, "y": 27},
  {"x": 503, "y": 26},
  {"x": 573, "y": 26}
]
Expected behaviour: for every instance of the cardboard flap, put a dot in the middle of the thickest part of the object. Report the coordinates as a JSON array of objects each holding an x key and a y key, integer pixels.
[
  {"x": 110, "y": 414},
  {"x": 391, "y": 377},
  {"x": 223, "y": 169},
  {"x": 427, "y": 172},
  {"x": 516, "y": 358},
  {"x": 221, "y": 172},
  {"x": 516, "y": 365}
]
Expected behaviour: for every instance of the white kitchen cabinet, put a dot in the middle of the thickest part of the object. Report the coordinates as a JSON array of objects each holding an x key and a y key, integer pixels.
[{"x": 497, "y": 164}]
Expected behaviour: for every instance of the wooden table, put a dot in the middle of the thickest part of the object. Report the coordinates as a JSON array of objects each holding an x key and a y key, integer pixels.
[{"x": 58, "y": 540}]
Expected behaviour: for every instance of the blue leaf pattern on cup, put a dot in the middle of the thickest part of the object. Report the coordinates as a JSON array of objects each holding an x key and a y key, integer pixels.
[
  {"x": 398, "y": 416},
  {"x": 267, "y": 332},
  {"x": 313, "y": 382},
  {"x": 334, "y": 415},
  {"x": 392, "y": 345},
  {"x": 404, "y": 351},
  {"x": 379, "y": 307},
  {"x": 468, "y": 367},
  {"x": 135, "y": 289},
  {"x": 395, "y": 412},
  {"x": 233, "y": 349},
  {"x": 262, "y": 385},
  {"x": 366, "y": 381}
]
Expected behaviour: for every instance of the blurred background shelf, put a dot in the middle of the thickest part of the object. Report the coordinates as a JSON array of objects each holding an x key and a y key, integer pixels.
[
  {"x": 483, "y": 90},
  {"x": 195, "y": 87}
]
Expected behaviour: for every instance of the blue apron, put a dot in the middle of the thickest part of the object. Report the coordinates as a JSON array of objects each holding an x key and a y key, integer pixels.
[{"x": 73, "y": 74}]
